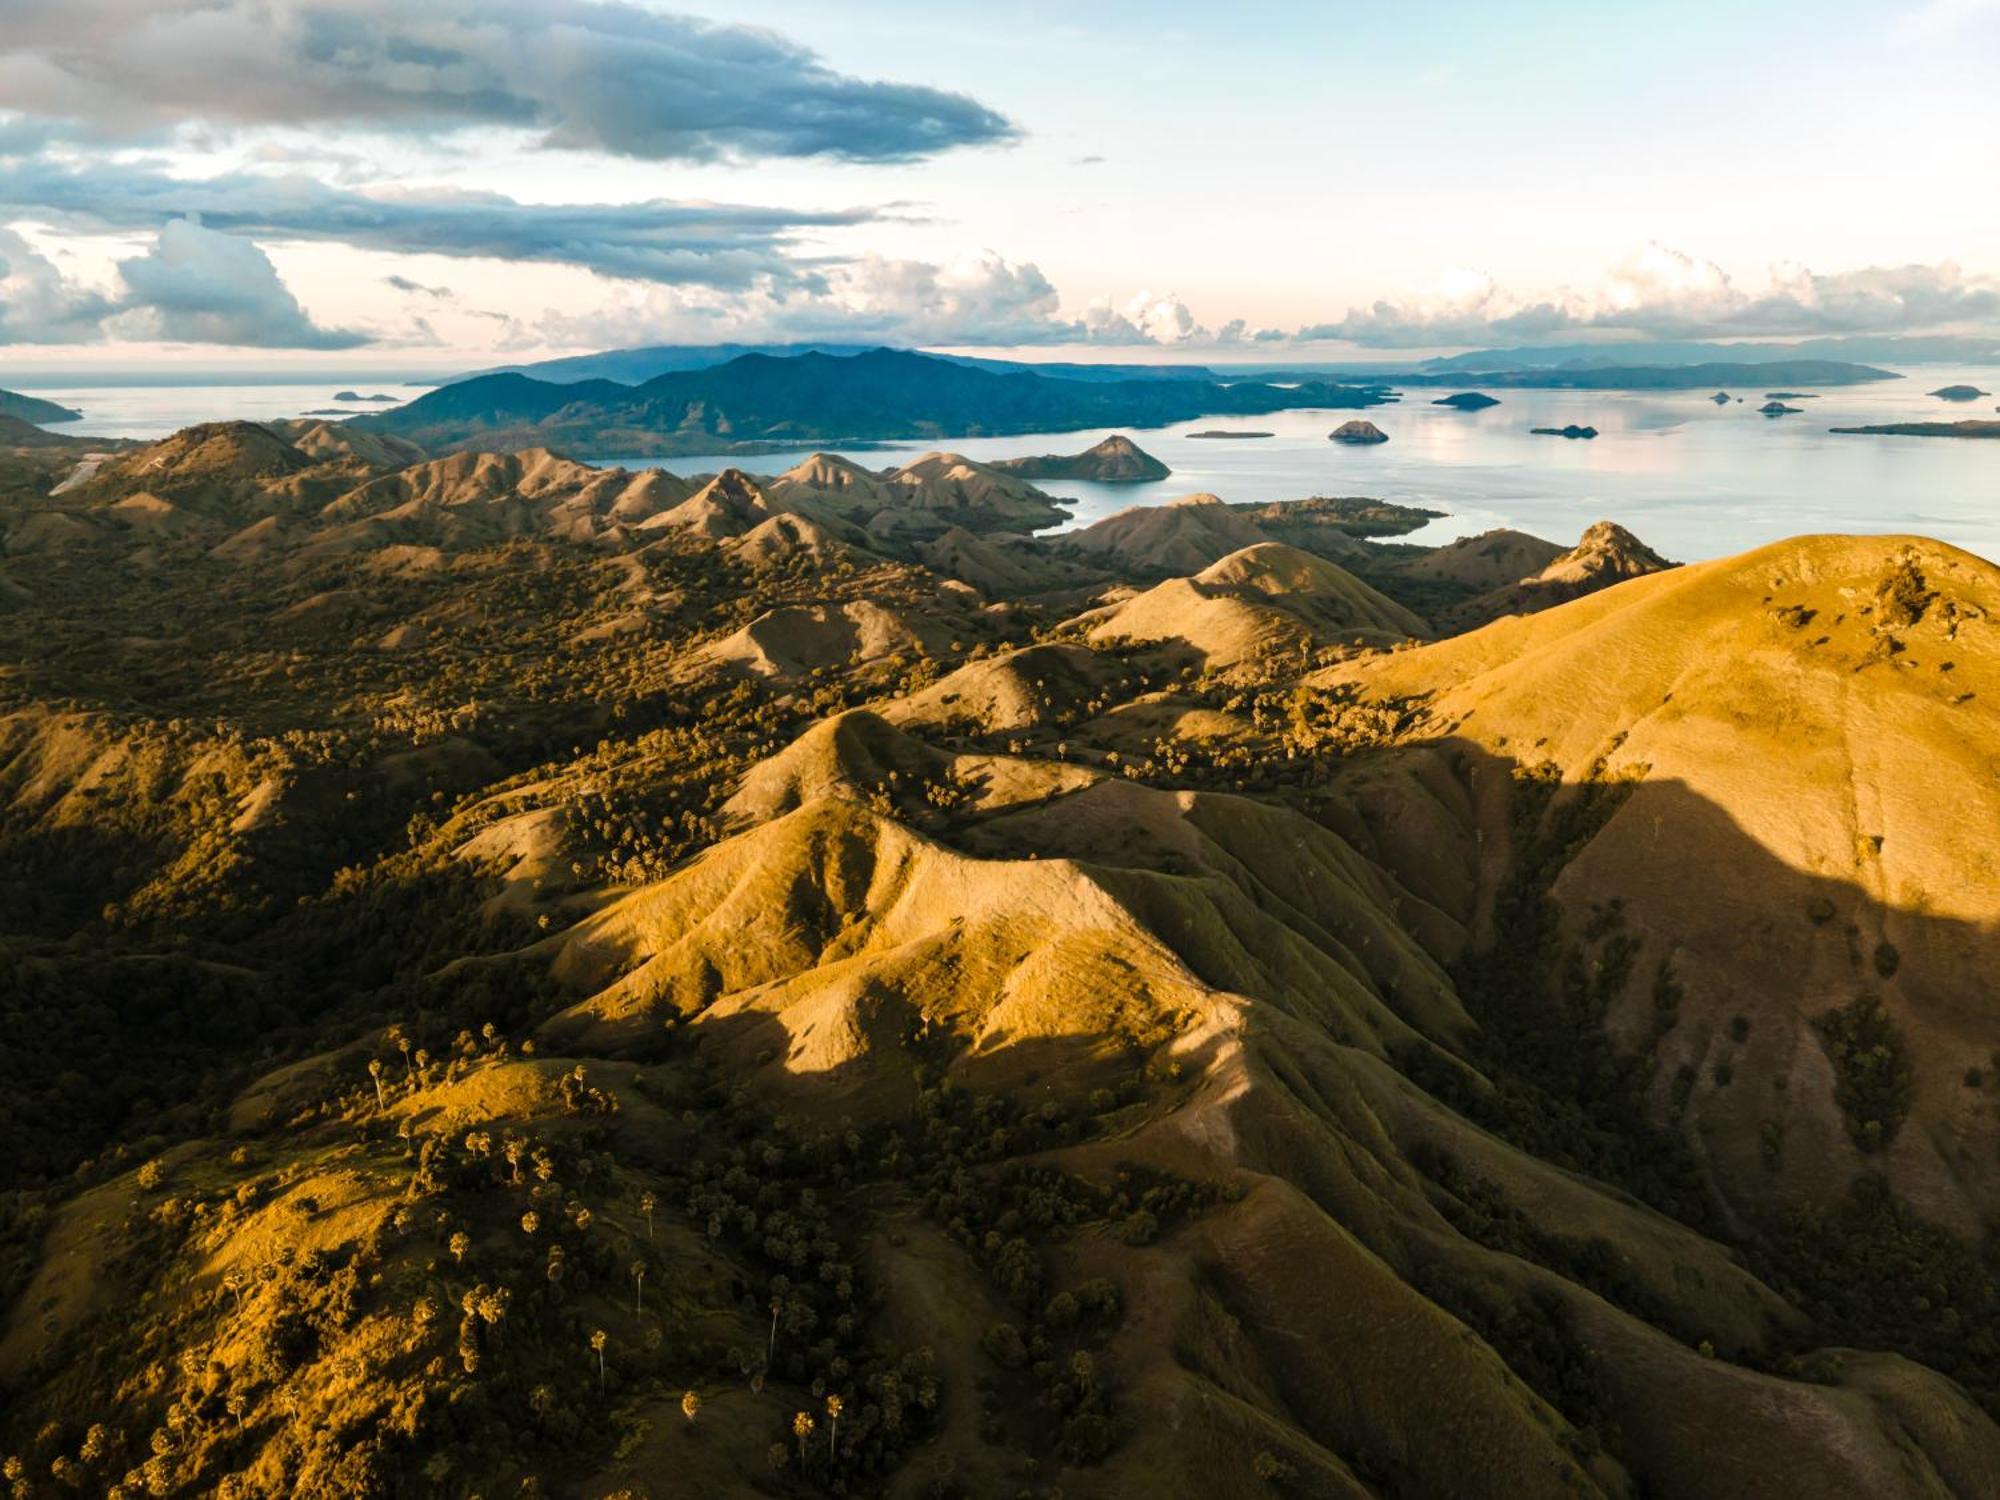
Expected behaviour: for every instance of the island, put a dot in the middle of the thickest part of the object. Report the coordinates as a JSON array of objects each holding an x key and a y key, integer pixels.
[
  {"x": 1467, "y": 401},
  {"x": 35, "y": 409},
  {"x": 760, "y": 404},
  {"x": 1715, "y": 374},
  {"x": 1116, "y": 460},
  {"x": 1223, "y": 432},
  {"x": 1571, "y": 431},
  {"x": 1359, "y": 433},
  {"x": 1791, "y": 395},
  {"x": 1959, "y": 393},
  {"x": 1973, "y": 427},
  {"x": 1779, "y": 409},
  {"x": 1720, "y": 398},
  {"x": 352, "y": 396}
]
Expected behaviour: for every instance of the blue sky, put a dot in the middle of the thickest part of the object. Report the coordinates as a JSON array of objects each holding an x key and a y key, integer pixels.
[{"x": 302, "y": 179}]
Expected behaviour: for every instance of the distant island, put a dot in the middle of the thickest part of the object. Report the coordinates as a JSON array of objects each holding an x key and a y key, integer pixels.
[
  {"x": 1791, "y": 395},
  {"x": 1959, "y": 393},
  {"x": 1779, "y": 409},
  {"x": 1774, "y": 373},
  {"x": 1571, "y": 431},
  {"x": 353, "y": 396},
  {"x": 35, "y": 409},
  {"x": 1970, "y": 428},
  {"x": 1467, "y": 401},
  {"x": 761, "y": 404},
  {"x": 1720, "y": 398},
  {"x": 1360, "y": 433},
  {"x": 1224, "y": 432},
  {"x": 1116, "y": 460}
]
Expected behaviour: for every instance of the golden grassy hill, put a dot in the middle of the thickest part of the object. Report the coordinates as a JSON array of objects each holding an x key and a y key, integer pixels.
[
  {"x": 1606, "y": 554},
  {"x": 1254, "y": 605},
  {"x": 1795, "y": 747},
  {"x": 1182, "y": 537},
  {"x": 1490, "y": 560}
]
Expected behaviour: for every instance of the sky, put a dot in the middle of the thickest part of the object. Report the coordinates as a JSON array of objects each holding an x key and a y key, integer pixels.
[{"x": 436, "y": 184}]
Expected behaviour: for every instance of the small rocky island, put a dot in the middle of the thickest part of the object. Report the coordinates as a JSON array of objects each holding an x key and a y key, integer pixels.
[
  {"x": 1971, "y": 428},
  {"x": 352, "y": 397},
  {"x": 1571, "y": 431},
  {"x": 1959, "y": 393},
  {"x": 1779, "y": 409},
  {"x": 1359, "y": 433},
  {"x": 1720, "y": 398},
  {"x": 1791, "y": 395},
  {"x": 1467, "y": 401},
  {"x": 1224, "y": 432},
  {"x": 1116, "y": 460}
]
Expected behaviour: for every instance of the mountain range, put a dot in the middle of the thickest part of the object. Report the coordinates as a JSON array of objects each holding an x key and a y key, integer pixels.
[{"x": 520, "y": 977}]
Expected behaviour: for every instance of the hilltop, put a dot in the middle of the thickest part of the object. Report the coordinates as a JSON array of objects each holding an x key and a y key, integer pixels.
[{"x": 1115, "y": 460}]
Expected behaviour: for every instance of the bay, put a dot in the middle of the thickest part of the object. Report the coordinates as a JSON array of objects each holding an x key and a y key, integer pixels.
[{"x": 1691, "y": 478}]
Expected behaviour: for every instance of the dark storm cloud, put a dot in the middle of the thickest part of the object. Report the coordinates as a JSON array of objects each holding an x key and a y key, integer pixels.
[{"x": 607, "y": 77}]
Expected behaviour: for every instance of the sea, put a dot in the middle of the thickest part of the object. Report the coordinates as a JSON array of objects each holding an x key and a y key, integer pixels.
[{"x": 1691, "y": 478}]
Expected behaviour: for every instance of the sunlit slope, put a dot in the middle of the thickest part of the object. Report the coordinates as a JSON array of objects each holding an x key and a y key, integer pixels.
[
  {"x": 1084, "y": 924},
  {"x": 1799, "y": 744}
]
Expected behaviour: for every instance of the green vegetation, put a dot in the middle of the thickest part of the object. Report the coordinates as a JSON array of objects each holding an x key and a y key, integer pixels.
[{"x": 1875, "y": 1081}]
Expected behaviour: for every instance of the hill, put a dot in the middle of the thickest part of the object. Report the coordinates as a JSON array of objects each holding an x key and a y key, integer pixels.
[
  {"x": 1257, "y": 603},
  {"x": 1115, "y": 460},
  {"x": 756, "y": 402},
  {"x": 597, "y": 992},
  {"x": 636, "y": 366},
  {"x": 1606, "y": 554},
  {"x": 35, "y": 409}
]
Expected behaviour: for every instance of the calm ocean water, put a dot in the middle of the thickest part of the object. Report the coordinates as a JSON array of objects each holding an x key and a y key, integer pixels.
[{"x": 1691, "y": 478}]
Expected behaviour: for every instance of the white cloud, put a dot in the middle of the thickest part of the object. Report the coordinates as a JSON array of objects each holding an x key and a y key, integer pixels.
[
  {"x": 38, "y": 304},
  {"x": 976, "y": 299},
  {"x": 1663, "y": 293},
  {"x": 197, "y": 286}
]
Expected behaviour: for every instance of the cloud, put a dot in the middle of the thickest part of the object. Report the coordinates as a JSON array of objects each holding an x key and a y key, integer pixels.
[
  {"x": 417, "y": 288},
  {"x": 980, "y": 299},
  {"x": 591, "y": 75},
  {"x": 38, "y": 304},
  {"x": 1663, "y": 293},
  {"x": 710, "y": 244},
  {"x": 1144, "y": 319},
  {"x": 196, "y": 286}
]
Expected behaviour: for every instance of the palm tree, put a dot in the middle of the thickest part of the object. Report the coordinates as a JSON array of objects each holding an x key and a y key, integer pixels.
[
  {"x": 691, "y": 1405},
  {"x": 597, "y": 1342},
  {"x": 777, "y": 1306},
  {"x": 530, "y": 1222},
  {"x": 639, "y": 1280},
  {"x": 802, "y": 1428},
  {"x": 375, "y": 1072},
  {"x": 396, "y": 1037},
  {"x": 460, "y": 1243},
  {"x": 647, "y": 1203},
  {"x": 833, "y": 1406}
]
